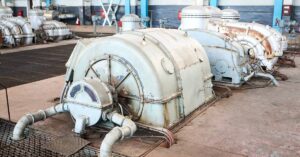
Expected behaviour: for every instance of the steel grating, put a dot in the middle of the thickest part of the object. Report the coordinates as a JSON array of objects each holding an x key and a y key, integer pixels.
[
  {"x": 66, "y": 145},
  {"x": 5, "y": 132},
  {"x": 33, "y": 65},
  {"x": 32, "y": 146}
]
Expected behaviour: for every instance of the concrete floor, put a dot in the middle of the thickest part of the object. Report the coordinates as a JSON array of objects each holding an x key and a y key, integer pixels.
[
  {"x": 255, "y": 123},
  {"x": 90, "y": 28}
]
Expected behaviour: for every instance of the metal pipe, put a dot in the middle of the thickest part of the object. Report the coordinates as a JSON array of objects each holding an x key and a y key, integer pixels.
[
  {"x": 56, "y": 30},
  {"x": 26, "y": 29},
  {"x": 80, "y": 124},
  {"x": 8, "y": 37},
  {"x": 247, "y": 78},
  {"x": 127, "y": 129},
  {"x": 259, "y": 74},
  {"x": 29, "y": 119},
  {"x": 15, "y": 30},
  {"x": 167, "y": 133}
]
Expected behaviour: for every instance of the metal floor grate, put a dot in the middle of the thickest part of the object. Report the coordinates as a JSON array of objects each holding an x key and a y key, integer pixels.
[
  {"x": 32, "y": 146},
  {"x": 33, "y": 65}
]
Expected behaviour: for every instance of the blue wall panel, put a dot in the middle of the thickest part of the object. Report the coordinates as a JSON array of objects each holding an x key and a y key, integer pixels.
[
  {"x": 168, "y": 12},
  {"x": 259, "y": 14}
]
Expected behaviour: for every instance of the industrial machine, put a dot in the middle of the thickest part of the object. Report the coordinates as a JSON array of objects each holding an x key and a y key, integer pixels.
[
  {"x": 134, "y": 78},
  {"x": 52, "y": 29},
  {"x": 15, "y": 30},
  {"x": 18, "y": 31},
  {"x": 131, "y": 22},
  {"x": 229, "y": 61},
  {"x": 264, "y": 42}
]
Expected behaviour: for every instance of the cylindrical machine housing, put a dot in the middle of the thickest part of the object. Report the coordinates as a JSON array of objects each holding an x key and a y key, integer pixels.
[
  {"x": 215, "y": 12},
  {"x": 5, "y": 12},
  {"x": 158, "y": 75},
  {"x": 131, "y": 22},
  {"x": 195, "y": 17},
  {"x": 230, "y": 15},
  {"x": 36, "y": 18}
]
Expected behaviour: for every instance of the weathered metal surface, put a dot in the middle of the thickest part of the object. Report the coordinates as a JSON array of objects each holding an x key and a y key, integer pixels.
[
  {"x": 195, "y": 17},
  {"x": 229, "y": 63},
  {"x": 228, "y": 60},
  {"x": 266, "y": 43},
  {"x": 157, "y": 82},
  {"x": 131, "y": 22},
  {"x": 233, "y": 31},
  {"x": 66, "y": 145},
  {"x": 33, "y": 146},
  {"x": 287, "y": 61}
]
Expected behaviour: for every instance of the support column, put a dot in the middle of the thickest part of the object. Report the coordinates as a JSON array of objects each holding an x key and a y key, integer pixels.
[
  {"x": 127, "y": 7},
  {"x": 277, "y": 15},
  {"x": 213, "y": 3},
  {"x": 48, "y": 3},
  {"x": 144, "y": 10},
  {"x": 28, "y": 7}
]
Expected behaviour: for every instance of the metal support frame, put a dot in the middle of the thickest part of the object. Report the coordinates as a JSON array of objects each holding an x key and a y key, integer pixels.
[
  {"x": 277, "y": 15},
  {"x": 110, "y": 11},
  {"x": 144, "y": 11},
  {"x": 127, "y": 7},
  {"x": 213, "y": 3}
]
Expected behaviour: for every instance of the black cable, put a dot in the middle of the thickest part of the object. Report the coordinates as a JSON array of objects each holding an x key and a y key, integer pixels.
[{"x": 7, "y": 101}]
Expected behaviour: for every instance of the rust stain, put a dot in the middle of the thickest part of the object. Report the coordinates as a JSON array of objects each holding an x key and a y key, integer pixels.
[{"x": 257, "y": 35}]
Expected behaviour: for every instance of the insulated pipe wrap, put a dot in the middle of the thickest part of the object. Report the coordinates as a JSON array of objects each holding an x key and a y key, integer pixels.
[
  {"x": 29, "y": 119},
  {"x": 127, "y": 129}
]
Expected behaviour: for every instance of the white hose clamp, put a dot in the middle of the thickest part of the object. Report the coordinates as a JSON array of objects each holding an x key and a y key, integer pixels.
[
  {"x": 122, "y": 137},
  {"x": 31, "y": 116},
  {"x": 44, "y": 114}
]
